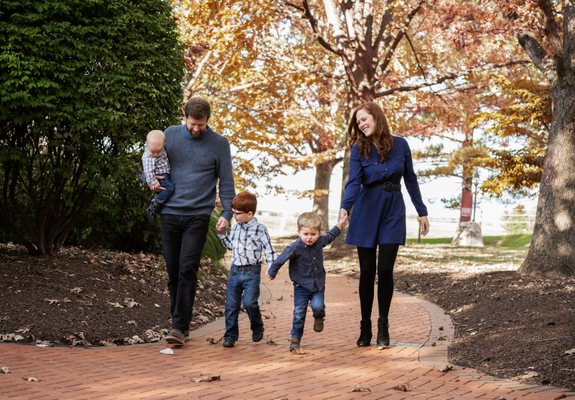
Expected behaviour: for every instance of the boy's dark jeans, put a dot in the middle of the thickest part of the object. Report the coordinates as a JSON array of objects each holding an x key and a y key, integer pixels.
[
  {"x": 183, "y": 237},
  {"x": 165, "y": 194},
  {"x": 243, "y": 284},
  {"x": 301, "y": 298}
]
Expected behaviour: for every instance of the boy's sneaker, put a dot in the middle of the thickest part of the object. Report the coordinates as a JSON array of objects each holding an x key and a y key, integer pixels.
[
  {"x": 176, "y": 337},
  {"x": 258, "y": 334},
  {"x": 151, "y": 213},
  {"x": 294, "y": 344},
  {"x": 229, "y": 342},
  {"x": 318, "y": 324}
]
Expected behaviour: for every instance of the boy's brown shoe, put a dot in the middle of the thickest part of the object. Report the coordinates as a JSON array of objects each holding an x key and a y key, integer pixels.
[
  {"x": 294, "y": 344},
  {"x": 318, "y": 324}
]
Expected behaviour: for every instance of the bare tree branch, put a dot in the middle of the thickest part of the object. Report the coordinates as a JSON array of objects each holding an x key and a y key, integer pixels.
[
  {"x": 196, "y": 75},
  {"x": 391, "y": 49},
  {"x": 444, "y": 78},
  {"x": 537, "y": 54},
  {"x": 551, "y": 27},
  {"x": 305, "y": 10}
]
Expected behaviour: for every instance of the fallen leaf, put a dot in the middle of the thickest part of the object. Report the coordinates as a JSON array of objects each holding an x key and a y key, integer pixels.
[
  {"x": 298, "y": 352},
  {"x": 5, "y": 370},
  {"x": 134, "y": 340},
  {"x": 76, "y": 290},
  {"x": 11, "y": 337},
  {"x": 115, "y": 304},
  {"x": 44, "y": 343},
  {"x": 31, "y": 379},
  {"x": 52, "y": 301},
  {"x": 271, "y": 341},
  {"x": 212, "y": 340},
  {"x": 527, "y": 375},
  {"x": 206, "y": 378},
  {"x": 167, "y": 351},
  {"x": 570, "y": 352},
  {"x": 130, "y": 303},
  {"x": 358, "y": 388},
  {"x": 445, "y": 368},
  {"x": 402, "y": 387}
]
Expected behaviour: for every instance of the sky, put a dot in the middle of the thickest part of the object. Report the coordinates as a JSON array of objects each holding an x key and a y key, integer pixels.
[{"x": 443, "y": 221}]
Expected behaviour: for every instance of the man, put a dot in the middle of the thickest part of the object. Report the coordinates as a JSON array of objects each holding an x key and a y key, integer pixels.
[{"x": 200, "y": 160}]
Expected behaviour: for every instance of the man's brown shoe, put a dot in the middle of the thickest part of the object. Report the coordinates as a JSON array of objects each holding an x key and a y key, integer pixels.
[{"x": 176, "y": 337}]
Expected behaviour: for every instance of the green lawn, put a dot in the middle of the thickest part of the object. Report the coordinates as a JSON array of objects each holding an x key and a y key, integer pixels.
[{"x": 516, "y": 241}]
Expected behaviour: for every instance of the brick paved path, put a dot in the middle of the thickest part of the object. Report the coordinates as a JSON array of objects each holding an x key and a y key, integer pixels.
[{"x": 331, "y": 367}]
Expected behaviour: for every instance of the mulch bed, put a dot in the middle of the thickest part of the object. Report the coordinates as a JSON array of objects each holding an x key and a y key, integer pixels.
[{"x": 83, "y": 297}]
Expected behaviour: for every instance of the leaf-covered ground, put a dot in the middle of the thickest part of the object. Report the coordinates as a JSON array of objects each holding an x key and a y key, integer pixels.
[
  {"x": 96, "y": 298},
  {"x": 510, "y": 326}
]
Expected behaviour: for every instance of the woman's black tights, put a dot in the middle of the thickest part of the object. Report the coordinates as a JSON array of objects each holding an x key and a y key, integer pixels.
[{"x": 369, "y": 263}]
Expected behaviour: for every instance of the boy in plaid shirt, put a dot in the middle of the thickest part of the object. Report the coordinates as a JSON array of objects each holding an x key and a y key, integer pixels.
[{"x": 248, "y": 240}]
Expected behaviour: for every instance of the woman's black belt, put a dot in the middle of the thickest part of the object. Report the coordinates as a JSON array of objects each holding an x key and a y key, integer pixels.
[{"x": 387, "y": 186}]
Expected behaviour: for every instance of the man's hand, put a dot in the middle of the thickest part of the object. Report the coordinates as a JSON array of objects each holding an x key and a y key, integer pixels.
[
  {"x": 222, "y": 225},
  {"x": 157, "y": 187}
]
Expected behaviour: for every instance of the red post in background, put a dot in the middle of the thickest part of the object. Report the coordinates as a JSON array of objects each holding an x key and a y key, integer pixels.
[{"x": 466, "y": 206}]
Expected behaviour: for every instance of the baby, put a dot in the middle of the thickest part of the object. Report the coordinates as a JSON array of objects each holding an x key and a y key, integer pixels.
[{"x": 156, "y": 167}]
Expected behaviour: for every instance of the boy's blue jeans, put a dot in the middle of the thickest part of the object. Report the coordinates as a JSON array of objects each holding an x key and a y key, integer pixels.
[
  {"x": 301, "y": 298},
  {"x": 165, "y": 194},
  {"x": 243, "y": 286}
]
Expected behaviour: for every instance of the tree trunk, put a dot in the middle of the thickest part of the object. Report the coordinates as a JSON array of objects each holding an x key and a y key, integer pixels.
[
  {"x": 321, "y": 196},
  {"x": 552, "y": 250}
]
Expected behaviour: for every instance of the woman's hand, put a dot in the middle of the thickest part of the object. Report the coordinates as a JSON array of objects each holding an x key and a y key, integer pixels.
[
  {"x": 423, "y": 225},
  {"x": 342, "y": 219}
]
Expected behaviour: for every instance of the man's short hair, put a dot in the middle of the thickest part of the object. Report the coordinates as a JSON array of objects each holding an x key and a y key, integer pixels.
[{"x": 198, "y": 108}]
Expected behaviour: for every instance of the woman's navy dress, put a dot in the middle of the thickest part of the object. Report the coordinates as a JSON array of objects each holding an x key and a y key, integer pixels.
[{"x": 378, "y": 216}]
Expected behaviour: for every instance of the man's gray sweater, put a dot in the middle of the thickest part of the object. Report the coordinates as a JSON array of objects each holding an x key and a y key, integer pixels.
[{"x": 197, "y": 164}]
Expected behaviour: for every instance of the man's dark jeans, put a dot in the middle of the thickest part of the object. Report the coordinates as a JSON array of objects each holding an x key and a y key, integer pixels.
[
  {"x": 243, "y": 283},
  {"x": 183, "y": 239}
]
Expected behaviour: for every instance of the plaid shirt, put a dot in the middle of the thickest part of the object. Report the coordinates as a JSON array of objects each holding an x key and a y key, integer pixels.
[
  {"x": 247, "y": 242},
  {"x": 155, "y": 166}
]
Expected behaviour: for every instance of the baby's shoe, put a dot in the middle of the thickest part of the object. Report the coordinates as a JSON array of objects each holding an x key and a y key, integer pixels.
[{"x": 151, "y": 212}]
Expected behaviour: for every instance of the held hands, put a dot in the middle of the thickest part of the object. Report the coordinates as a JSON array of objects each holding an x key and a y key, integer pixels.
[
  {"x": 222, "y": 225},
  {"x": 342, "y": 219},
  {"x": 423, "y": 225}
]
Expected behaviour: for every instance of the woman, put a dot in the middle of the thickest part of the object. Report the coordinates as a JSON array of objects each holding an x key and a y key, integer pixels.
[{"x": 377, "y": 163}]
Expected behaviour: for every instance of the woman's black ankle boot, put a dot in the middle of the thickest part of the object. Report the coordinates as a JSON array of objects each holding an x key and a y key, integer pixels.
[
  {"x": 365, "y": 335},
  {"x": 382, "y": 332}
]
